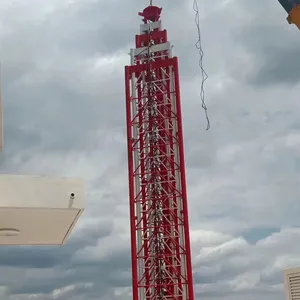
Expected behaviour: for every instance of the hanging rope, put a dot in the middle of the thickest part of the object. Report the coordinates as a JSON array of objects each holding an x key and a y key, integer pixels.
[{"x": 201, "y": 53}]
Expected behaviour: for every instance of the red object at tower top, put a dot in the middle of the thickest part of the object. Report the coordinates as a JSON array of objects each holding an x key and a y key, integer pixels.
[{"x": 151, "y": 13}]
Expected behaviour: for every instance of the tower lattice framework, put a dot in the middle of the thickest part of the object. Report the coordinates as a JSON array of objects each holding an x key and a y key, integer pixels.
[{"x": 160, "y": 241}]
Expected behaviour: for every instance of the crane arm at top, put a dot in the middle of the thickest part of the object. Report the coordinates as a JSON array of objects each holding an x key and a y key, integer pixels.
[{"x": 292, "y": 7}]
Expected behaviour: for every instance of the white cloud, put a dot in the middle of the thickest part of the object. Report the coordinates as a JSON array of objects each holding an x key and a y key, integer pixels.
[{"x": 63, "y": 86}]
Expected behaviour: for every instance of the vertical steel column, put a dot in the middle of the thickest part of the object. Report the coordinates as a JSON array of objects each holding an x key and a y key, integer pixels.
[{"x": 160, "y": 242}]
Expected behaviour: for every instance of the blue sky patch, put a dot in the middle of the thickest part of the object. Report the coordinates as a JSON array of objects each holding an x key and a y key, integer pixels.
[{"x": 255, "y": 234}]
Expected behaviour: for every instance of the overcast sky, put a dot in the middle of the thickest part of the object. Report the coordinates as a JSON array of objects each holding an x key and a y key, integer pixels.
[{"x": 63, "y": 93}]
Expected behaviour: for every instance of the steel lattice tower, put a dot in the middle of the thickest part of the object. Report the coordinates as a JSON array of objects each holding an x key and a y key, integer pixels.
[{"x": 160, "y": 241}]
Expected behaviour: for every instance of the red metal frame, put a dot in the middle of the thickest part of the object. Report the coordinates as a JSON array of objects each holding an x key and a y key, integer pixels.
[{"x": 160, "y": 240}]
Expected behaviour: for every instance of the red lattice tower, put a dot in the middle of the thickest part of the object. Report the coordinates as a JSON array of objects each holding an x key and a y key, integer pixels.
[{"x": 160, "y": 241}]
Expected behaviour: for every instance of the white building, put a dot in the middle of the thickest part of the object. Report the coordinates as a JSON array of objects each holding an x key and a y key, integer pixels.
[{"x": 292, "y": 284}]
